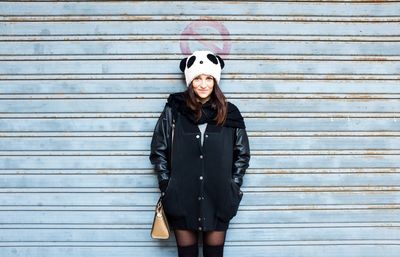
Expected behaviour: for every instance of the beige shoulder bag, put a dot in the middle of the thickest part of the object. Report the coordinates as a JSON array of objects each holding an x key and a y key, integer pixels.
[{"x": 160, "y": 228}]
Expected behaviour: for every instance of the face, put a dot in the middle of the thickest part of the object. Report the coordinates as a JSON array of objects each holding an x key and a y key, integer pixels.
[{"x": 203, "y": 86}]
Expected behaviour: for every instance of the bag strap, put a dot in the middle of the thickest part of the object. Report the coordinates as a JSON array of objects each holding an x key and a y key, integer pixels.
[
  {"x": 172, "y": 139},
  {"x": 171, "y": 114}
]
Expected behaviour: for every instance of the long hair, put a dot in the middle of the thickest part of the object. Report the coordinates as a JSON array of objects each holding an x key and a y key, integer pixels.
[{"x": 217, "y": 99}]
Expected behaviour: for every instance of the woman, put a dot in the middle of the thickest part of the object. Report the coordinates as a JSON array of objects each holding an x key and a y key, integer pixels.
[{"x": 200, "y": 151}]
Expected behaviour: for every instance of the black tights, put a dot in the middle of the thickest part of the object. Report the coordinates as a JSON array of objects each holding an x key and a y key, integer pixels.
[{"x": 187, "y": 243}]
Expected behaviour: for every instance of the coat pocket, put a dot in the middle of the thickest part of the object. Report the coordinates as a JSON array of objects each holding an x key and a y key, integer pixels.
[
  {"x": 170, "y": 201},
  {"x": 237, "y": 197},
  {"x": 228, "y": 209}
]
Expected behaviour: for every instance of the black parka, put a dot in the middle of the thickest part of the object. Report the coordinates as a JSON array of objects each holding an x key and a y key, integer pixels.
[{"x": 203, "y": 182}]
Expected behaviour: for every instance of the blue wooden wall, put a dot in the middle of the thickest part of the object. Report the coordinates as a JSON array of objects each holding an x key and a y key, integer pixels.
[{"x": 82, "y": 84}]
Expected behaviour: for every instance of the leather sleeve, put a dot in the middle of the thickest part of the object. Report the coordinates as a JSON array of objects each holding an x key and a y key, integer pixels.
[
  {"x": 241, "y": 155},
  {"x": 159, "y": 153}
]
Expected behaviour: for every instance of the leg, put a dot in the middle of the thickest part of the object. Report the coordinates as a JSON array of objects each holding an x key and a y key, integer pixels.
[
  {"x": 187, "y": 243},
  {"x": 213, "y": 243}
]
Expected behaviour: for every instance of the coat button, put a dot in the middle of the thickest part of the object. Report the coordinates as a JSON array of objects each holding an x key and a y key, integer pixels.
[
  {"x": 198, "y": 136},
  {"x": 201, "y": 156},
  {"x": 199, "y": 198},
  {"x": 199, "y": 218},
  {"x": 206, "y": 135},
  {"x": 200, "y": 228},
  {"x": 201, "y": 177}
]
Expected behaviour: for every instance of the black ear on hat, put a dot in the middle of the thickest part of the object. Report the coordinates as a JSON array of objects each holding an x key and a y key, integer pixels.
[
  {"x": 182, "y": 65},
  {"x": 221, "y": 62}
]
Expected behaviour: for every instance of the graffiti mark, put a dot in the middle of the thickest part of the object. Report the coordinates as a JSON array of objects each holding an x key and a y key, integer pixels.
[{"x": 192, "y": 32}]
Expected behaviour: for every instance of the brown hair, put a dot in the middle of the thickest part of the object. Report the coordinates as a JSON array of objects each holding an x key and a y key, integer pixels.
[{"x": 218, "y": 102}]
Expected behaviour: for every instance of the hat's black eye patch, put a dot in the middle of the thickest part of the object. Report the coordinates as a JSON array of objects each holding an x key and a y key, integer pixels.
[
  {"x": 191, "y": 61},
  {"x": 212, "y": 58}
]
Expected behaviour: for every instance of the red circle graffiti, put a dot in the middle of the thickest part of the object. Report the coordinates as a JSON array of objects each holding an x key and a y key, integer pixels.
[{"x": 191, "y": 32}]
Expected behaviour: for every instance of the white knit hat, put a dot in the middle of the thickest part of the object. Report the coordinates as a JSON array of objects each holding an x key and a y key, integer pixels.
[{"x": 202, "y": 62}]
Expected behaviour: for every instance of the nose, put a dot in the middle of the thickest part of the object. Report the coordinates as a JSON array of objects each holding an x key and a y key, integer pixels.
[{"x": 203, "y": 83}]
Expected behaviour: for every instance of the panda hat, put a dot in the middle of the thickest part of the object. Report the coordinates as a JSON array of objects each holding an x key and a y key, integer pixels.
[{"x": 201, "y": 62}]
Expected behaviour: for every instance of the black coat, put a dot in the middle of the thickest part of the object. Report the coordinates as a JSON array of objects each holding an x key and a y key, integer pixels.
[{"x": 200, "y": 184}]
